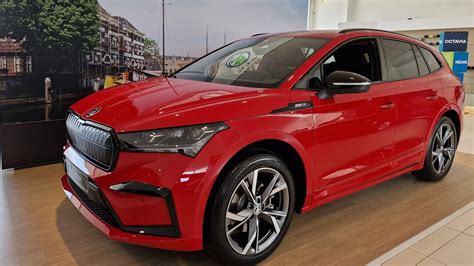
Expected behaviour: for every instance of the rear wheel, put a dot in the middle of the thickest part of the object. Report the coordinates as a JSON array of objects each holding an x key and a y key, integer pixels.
[
  {"x": 440, "y": 152},
  {"x": 252, "y": 211}
]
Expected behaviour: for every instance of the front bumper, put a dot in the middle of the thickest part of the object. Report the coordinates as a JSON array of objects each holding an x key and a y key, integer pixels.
[
  {"x": 134, "y": 215},
  {"x": 104, "y": 222},
  {"x": 149, "y": 220}
]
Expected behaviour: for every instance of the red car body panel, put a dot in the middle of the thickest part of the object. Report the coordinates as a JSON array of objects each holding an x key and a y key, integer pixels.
[
  {"x": 162, "y": 103},
  {"x": 345, "y": 143}
]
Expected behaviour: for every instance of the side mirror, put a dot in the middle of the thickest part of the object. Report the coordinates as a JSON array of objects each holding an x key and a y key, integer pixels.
[{"x": 342, "y": 82}]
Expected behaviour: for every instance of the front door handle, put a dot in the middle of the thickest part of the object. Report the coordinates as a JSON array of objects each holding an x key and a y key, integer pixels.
[
  {"x": 432, "y": 97},
  {"x": 387, "y": 106}
]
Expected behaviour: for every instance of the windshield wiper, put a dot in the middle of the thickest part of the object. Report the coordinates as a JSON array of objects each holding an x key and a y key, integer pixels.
[{"x": 188, "y": 71}]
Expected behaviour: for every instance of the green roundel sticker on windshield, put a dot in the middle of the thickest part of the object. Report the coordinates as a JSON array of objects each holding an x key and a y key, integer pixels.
[{"x": 238, "y": 59}]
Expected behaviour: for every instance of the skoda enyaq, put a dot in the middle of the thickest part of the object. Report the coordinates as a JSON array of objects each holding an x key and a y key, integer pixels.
[{"x": 220, "y": 154}]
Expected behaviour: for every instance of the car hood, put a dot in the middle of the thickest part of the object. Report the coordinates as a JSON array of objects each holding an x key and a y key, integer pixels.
[{"x": 169, "y": 102}]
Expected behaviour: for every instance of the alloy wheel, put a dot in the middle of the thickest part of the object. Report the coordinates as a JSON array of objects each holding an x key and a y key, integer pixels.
[
  {"x": 442, "y": 151},
  {"x": 257, "y": 211}
]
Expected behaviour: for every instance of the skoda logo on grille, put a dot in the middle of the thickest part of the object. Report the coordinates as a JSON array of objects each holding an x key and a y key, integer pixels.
[{"x": 93, "y": 112}]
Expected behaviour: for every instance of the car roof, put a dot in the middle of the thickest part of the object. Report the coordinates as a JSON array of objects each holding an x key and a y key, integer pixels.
[
  {"x": 327, "y": 34},
  {"x": 355, "y": 32}
]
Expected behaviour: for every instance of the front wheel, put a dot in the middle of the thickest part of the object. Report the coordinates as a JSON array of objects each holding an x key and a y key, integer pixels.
[
  {"x": 252, "y": 211},
  {"x": 440, "y": 152}
]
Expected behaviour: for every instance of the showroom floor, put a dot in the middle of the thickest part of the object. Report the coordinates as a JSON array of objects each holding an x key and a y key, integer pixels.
[
  {"x": 448, "y": 242},
  {"x": 451, "y": 240},
  {"x": 38, "y": 225}
]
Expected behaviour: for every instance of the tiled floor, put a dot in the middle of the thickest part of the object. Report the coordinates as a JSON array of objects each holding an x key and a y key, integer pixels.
[{"x": 448, "y": 242}]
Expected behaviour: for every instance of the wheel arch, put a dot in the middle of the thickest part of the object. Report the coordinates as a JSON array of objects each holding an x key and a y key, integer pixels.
[
  {"x": 451, "y": 111},
  {"x": 428, "y": 172},
  {"x": 454, "y": 113},
  {"x": 291, "y": 155},
  {"x": 454, "y": 116},
  {"x": 284, "y": 151}
]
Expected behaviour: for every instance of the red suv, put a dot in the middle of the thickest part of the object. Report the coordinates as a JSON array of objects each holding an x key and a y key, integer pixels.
[{"x": 219, "y": 155}]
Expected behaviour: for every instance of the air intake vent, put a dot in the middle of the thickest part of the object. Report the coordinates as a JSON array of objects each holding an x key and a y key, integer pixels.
[{"x": 104, "y": 213}]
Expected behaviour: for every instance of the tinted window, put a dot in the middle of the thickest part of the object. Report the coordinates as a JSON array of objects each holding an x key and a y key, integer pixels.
[
  {"x": 399, "y": 60},
  {"x": 431, "y": 60},
  {"x": 422, "y": 67},
  {"x": 360, "y": 57},
  {"x": 312, "y": 80},
  {"x": 255, "y": 62}
]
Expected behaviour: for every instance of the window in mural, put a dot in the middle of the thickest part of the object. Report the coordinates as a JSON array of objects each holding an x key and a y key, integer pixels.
[
  {"x": 29, "y": 64},
  {"x": 3, "y": 62},
  {"x": 18, "y": 64}
]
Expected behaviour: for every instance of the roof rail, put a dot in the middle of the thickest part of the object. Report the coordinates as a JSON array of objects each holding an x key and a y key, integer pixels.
[
  {"x": 368, "y": 29},
  {"x": 360, "y": 29},
  {"x": 258, "y": 34}
]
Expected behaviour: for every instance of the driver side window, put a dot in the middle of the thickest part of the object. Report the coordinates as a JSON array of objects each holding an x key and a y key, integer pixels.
[{"x": 358, "y": 56}]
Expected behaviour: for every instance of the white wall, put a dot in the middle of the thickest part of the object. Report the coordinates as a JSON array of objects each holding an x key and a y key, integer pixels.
[
  {"x": 412, "y": 17},
  {"x": 390, "y": 14},
  {"x": 375, "y": 10},
  {"x": 324, "y": 14}
]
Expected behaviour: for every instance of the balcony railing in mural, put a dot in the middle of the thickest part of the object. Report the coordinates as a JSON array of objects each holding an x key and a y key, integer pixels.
[
  {"x": 138, "y": 51},
  {"x": 104, "y": 58}
]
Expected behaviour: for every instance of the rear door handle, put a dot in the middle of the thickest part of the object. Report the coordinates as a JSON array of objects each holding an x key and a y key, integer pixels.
[
  {"x": 432, "y": 97},
  {"x": 387, "y": 106}
]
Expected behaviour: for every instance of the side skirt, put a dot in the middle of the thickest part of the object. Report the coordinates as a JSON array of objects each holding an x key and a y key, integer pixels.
[{"x": 329, "y": 198}]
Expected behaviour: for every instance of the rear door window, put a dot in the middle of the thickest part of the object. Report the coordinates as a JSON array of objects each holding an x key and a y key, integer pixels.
[
  {"x": 431, "y": 60},
  {"x": 422, "y": 67},
  {"x": 399, "y": 59}
]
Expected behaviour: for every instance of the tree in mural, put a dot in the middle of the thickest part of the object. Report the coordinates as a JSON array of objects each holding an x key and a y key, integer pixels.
[
  {"x": 58, "y": 31},
  {"x": 151, "y": 49}
]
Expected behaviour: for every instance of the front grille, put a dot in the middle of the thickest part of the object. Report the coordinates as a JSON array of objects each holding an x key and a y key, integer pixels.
[
  {"x": 91, "y": 140},
  {"x": 104, "y": 213}
]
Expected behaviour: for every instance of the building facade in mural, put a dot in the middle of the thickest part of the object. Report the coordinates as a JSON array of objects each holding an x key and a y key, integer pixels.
[
  {"x": 121, "y": 46},
  {"x": 174, "y": 63},
  {"x": 14, "y": 60},
  {"x": 16, "y": 66}
]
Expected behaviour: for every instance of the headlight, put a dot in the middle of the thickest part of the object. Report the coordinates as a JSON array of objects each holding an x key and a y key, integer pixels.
[{"x": 188, "y": 140}]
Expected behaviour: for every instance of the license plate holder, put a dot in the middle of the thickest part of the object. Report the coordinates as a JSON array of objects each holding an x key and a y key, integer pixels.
[{"x": 77, "y": 176}]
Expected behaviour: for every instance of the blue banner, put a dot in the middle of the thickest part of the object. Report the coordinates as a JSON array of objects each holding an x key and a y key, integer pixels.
[
  {"x": 460, "y": 61},
  {"x": 453, "y": 41}
]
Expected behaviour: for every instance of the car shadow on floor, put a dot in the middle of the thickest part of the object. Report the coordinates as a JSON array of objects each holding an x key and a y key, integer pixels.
[{"x": 87, "y": 245}]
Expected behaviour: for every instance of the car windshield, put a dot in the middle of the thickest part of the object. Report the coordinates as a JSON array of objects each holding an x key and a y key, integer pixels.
[{"x": 256, "y": 62}]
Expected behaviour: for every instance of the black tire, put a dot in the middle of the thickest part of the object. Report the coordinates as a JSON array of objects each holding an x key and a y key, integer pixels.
[
  {"x": 217, "y": 243},
  {"x": 429, "y": 171}
]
